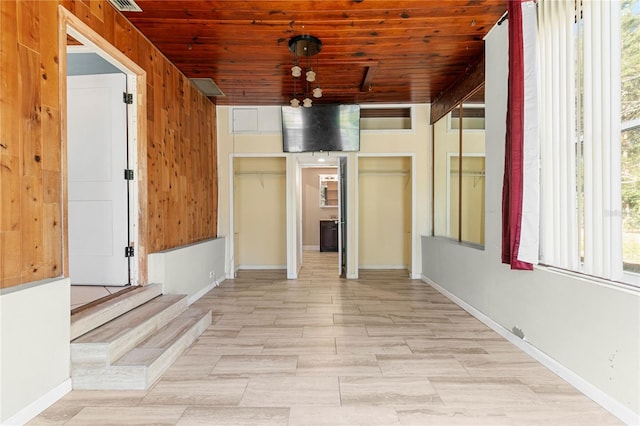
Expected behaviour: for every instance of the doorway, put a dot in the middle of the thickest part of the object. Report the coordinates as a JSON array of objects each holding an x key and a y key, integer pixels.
[
  {"x": 101, "y": 169},
  {"x": 322, "y": 200},
  {"x": 259, "y": 213},
  {"x": 385, "y": 213}
]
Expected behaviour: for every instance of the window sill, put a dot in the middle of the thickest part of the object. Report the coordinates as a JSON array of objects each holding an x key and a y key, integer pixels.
[
  {"x": 459, "y": 243},
  {"x": 624, "y": 286}
]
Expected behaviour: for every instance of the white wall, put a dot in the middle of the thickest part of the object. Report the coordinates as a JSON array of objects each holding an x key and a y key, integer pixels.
[
  {"x": 589, "y": 327},
  {"x": 193, "y": 269},
  {"x": 34, "y": 348}
]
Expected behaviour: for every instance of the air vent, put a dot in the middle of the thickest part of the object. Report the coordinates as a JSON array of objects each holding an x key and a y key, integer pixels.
[
  {"x": 207, "y": 86},
  {"x": 125, "y": 5}
]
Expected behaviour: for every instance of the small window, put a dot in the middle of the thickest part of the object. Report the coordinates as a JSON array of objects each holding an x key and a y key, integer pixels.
[
  {"x": 472, "y": 118},
  {"x": 385, "y": 118}
]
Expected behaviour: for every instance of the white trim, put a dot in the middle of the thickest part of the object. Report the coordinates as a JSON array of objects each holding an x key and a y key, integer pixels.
[
  {"x": 196, "y": 296},
  {"x": 355, "y": 223},
  {"x": 232, "y": 235},
  {"x": 231, "y": 244},
  {"x": 447, "y": 225},
  {"x": 302, "y": 162},
  {"x": 363, "y": 267},
  {"x": 416, "y": 245},
  {"x": 266, "y": 267},
  {"x": 39, "y": 405},
  {"x": 620, "y": 286},
  {"x": 132, "y": 73},
  {"x": 292, "y": 171},
  {"x": 412, "y": 118},
  {"x": 598, "y": 396},
  {"x": 415, "y": 258}
]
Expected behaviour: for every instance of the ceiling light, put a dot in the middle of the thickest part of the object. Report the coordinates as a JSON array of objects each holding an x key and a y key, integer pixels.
[
  {"x": 311, "y": 76},
  {"x": 305, "y": 46}
]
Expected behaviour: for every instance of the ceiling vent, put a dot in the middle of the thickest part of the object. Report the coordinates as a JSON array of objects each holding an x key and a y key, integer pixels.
[
  {"x": 207, "y": 86},
  {"x": 126, "y": 5}
]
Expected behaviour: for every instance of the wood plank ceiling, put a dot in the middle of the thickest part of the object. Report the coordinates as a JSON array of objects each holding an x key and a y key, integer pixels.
[{"x": 373, "y": 51}]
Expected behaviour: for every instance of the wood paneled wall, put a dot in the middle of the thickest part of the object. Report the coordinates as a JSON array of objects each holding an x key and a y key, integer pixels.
[{"x": 180, "y": 176}]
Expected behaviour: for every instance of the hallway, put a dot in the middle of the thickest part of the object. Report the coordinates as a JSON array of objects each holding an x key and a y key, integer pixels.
[{"x": 381, "y": 350}]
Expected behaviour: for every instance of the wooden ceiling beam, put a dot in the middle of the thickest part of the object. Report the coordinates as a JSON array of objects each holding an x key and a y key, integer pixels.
[
  {"x": 367, "y": 81},
  {"x": 458, "y": 91}
]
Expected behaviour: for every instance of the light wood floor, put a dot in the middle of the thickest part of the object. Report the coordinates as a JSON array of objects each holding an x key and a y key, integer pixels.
[
  {"x": 381, "y": 350},
  {"x": 84, "y": 294}
]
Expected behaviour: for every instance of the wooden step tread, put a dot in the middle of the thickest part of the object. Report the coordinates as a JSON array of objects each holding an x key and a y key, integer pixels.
[
  {"x": 147, "y": 352},
  {"x": 123, "y": 324},
  {"x": 89, "y": 319},
  {"x": 144, "y": 364}
]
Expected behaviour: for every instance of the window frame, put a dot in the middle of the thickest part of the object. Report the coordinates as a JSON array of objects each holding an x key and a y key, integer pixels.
[{"x": 590, "y": 36}]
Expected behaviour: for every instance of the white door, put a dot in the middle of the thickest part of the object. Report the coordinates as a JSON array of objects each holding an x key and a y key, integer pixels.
[{"x": 96, "y": 160}]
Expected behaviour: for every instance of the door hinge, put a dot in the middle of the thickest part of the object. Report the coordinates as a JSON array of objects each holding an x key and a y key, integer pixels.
[
  {"x": 127, "y": 98},
  {"x": 128, "y": 174},
  {"x": 129, "y": 251}
]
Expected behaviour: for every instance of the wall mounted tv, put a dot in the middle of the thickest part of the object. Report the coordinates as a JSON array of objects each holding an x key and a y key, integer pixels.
[{"x": 324, "y": 127}]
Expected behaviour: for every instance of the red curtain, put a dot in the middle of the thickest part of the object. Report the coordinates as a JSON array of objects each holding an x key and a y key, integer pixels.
[{"x": 512, "y": 188}]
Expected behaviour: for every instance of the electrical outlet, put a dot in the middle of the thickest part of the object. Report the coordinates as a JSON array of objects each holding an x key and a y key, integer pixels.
[{"x": 212, "y": 274}]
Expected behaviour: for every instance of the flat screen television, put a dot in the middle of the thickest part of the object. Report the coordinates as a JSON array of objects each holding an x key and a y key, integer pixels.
[{"x": 325, "y": 127}]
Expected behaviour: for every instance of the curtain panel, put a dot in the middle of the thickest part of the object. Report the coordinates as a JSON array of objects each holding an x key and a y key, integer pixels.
[{"x": 521, "y": 186}]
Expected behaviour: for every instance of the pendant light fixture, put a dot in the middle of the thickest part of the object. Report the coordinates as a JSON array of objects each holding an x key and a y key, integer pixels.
[{"x": 305, "y": 46}]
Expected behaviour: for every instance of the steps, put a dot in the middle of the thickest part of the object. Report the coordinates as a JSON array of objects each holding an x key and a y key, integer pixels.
[
  {"x": 132, "y": 349},
  {"x": 88, "y": 319}
]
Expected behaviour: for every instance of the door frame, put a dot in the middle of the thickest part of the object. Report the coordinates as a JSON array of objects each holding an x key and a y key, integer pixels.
[
  {"x": 294, "y": 208},
  {"x": 231, "y": 260},
  {"x": 293, "y": 213},
  {"x": 415, "y": 241},
  {"x": 71, "y": 25},
  {"x": 302, "y": 164}
]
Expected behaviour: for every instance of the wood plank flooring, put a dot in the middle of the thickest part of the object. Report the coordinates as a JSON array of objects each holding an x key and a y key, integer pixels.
[{"x": 381, "y": 350}]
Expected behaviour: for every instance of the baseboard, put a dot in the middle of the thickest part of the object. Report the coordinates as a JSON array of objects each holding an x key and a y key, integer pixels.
[
  {"x": 598, "y": 396},
  {"x": 310, "y": 248},
  {"x": 375, "y": 267},
  {"x": 39, "y": 405},
  {"x": 258, "y": 267},
  {"x": 195, "y": 297}
]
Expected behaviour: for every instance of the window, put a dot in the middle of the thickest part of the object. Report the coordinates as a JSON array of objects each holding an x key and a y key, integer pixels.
[
  {"x": 385, "y": 118},
  {"x": 630, "y": 135},
  {"x": 459, "y": 172},
  {"x": 472, "y": 117},
  {"x": 590, "y": 146}
]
